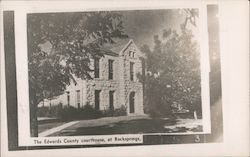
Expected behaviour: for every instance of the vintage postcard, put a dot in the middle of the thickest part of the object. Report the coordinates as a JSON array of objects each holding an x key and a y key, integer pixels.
[
  {"x": 121, "y": 75},
  {"x": 116, "y": 78}
]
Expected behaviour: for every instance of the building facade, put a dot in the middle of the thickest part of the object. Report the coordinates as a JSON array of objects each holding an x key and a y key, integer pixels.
[{"x": 114, "y": 84}]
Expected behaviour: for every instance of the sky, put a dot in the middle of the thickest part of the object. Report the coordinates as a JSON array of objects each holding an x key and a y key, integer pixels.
[{"x": 142, "y": 25}]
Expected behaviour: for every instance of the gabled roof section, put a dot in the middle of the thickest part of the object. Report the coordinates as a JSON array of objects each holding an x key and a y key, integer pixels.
[
  {"x": 117, "y": 48},
  {"x": 109, "y": 52}
]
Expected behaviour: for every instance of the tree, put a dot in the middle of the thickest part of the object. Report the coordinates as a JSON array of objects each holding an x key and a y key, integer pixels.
[
  {"x": 173, "y": 73},
  {"x": 73, "y": 39},
  {"x": 191, "y": 16}
]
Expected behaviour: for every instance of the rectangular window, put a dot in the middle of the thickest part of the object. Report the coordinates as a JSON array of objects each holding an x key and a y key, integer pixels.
[
  {"x": 111, "y": 70},
  {"x": 131, "y": 71},
  {"x": 111, "y": 100},
  {"x": 97, "y": 67},
  {"x": 68, "y": 97},
  {"x": 78, "y": 98},
  {"x": 97, "y": 99}
]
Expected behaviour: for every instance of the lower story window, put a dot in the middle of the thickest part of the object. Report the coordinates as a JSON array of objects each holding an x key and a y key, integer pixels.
[
  {"x": 78, "y": 98},
  {"x": 111, "y": 100},
  {"x": 97, "y": 99},
  {"x": 68, "y": 98}
]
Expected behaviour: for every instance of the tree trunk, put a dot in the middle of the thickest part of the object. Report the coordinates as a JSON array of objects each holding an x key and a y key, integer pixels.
[
  {"x": 33, "y": 115},
  {"x": 195, "y": 115}
]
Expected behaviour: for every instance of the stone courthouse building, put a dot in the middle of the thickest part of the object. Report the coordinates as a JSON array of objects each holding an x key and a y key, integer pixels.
[{"x": 114, "y": 82}]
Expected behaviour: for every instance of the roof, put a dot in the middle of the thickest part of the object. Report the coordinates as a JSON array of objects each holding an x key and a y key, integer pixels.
[{"x": 116, "y": 48}]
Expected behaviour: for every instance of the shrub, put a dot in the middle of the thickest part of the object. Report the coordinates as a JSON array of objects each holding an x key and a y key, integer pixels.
[
  {"x": 52, "y": 111},
  {"x": 88, "y": 112},
  {"x": 159, "y": 111},
  {"x": 43, "y": 111},
  {"x": 72, "y": 113},
  {"x": 68, "y": 113},
  {"x": 122, "y": 111}
]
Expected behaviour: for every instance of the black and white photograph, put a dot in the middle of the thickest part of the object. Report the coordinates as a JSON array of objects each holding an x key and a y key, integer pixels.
[
  {"x": 82, "y": 74},
  {"x": 114, "y": 72}
]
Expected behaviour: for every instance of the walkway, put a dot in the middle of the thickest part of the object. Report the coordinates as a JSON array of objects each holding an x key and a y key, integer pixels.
[{"x": 90, "y": 123}]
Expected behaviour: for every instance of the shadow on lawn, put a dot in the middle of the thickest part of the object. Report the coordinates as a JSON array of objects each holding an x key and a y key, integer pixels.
[{"x": 130, "y": 127}]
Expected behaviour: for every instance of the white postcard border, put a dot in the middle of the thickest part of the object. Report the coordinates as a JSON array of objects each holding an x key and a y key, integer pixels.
[{"x": 22, "y": 67}]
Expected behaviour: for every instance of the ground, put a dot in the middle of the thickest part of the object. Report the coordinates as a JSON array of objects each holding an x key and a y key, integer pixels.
[
  {"x": 120, "y": 125},
  {"x": 44, "y": 127}
]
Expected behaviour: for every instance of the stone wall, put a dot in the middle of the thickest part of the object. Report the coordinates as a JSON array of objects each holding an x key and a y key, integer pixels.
[
  {"x": 120, "y": 84},
  {"x": 104, "y": 84},
  {"x": 133, "y": 54}
]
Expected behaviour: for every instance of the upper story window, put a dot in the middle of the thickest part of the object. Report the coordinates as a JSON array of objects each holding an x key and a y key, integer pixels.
[
  {"x": 97, "y": 67},
  {"x": 132, "y": 54},
  {"x": 132, "y": 71},
  {"x": 111, "y": 69}
]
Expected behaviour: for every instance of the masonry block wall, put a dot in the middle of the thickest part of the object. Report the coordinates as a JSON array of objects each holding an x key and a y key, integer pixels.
[{"x": 126, "y": 87}]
